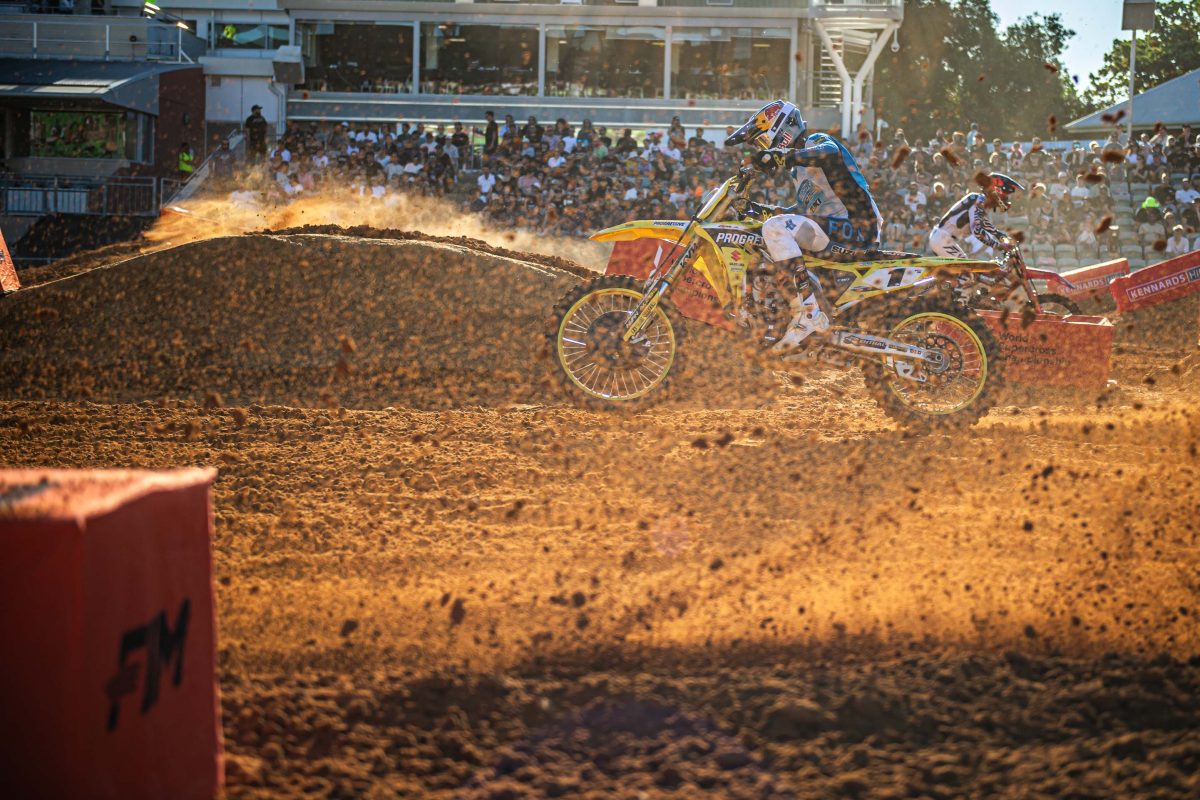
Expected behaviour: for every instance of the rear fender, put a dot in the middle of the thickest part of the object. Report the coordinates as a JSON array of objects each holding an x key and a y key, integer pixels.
[{"x": 1051, "y": 277}]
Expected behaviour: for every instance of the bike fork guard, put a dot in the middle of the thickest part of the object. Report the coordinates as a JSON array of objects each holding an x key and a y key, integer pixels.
[{"x": 655, "y": 291}]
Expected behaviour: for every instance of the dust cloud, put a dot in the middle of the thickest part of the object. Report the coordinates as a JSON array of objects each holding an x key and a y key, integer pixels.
[{"x": 208, "y": 217}]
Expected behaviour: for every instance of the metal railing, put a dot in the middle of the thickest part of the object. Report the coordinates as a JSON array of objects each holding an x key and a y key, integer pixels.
[
  {"x": 855, "y": 4},
  {"x": 86, "y": 37},
  {"x": 37, "y": 195}
]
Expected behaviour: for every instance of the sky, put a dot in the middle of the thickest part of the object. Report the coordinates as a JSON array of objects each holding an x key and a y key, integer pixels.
[{"x": 1095, "y": 22}]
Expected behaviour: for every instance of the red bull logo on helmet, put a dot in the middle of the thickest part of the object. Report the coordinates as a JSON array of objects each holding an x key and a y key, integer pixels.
[{"x": 768, "y": 114}]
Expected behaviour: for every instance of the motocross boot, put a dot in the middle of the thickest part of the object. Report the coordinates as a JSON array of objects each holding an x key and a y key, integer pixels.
[{"x": 807, "y": 316}]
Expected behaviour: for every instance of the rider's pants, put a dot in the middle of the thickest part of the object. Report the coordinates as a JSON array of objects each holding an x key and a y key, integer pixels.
[
  {"x": 943, "y": 244},
  {"x": 788, "y": 235}
]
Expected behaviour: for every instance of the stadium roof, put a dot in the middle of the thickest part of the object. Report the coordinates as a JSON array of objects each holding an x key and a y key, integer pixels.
[
  {"x": 1172, "y": 103},
  {"x": 132, "y": 85}
]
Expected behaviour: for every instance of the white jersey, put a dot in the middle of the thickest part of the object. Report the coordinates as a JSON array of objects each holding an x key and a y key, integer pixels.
[{"x": 968, "y": 218}]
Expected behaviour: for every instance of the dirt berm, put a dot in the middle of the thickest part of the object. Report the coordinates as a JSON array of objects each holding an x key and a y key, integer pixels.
[{"x": 298, "y": 319}]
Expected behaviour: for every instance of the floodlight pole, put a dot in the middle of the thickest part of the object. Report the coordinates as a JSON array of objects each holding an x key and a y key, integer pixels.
[
  {"x": 1132, "y": 66},
  {"x": 1136, "y": 15}
]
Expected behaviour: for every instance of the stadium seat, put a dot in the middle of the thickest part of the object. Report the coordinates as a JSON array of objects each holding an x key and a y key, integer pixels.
[
  {"x": 1064, "y": 251},
  {"x": 1067, "y": 263}
]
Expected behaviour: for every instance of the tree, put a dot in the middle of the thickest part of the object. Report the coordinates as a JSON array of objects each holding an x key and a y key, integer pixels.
[
  {"x": 1037, "y": 88},
  {"x": 955, "y": 67},
  {"x": 1166, "y": 52}
]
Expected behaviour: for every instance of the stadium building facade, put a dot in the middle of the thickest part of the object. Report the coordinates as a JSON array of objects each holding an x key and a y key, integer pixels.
[{"x": 616, "y": 62}]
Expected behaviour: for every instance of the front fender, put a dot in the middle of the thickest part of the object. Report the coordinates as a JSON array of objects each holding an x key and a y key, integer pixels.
[{"x": 641, "y": 229}]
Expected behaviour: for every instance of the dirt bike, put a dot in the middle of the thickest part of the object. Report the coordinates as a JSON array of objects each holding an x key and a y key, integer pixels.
[{"x": 928, "y": 360}]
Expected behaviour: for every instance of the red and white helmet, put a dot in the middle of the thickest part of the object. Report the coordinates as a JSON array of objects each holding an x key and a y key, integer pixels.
[
  {"x": 1005, "y": 187},
  {"x": 777, "y": 124}
]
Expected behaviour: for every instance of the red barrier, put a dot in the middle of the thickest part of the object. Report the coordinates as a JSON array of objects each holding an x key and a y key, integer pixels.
[
  {"x": 8, "y": 271},
  {"x": 1089, "y": 283},
  {"x": 1054, "y": 351},
  {"x": 107, "y": 620},
  {"x": 1171, "y": 280},
  {"x": 693, "y": 296}
]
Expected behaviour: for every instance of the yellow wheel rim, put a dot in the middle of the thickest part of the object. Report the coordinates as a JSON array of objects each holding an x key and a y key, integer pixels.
[
  {"x": 964, "y": 376},
  {"x": 594, "y": 358}
]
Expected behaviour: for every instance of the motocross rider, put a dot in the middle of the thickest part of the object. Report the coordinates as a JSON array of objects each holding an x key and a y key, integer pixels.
[
  {"x": 968, "y": 217},
  {"x": 835, "y": 216}
]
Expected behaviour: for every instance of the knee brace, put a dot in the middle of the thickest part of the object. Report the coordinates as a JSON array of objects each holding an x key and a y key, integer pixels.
[{"x": 789, "y": 235}]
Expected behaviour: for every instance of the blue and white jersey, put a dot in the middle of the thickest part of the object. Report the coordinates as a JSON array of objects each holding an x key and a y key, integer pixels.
[{"x": 830, "y": 184}]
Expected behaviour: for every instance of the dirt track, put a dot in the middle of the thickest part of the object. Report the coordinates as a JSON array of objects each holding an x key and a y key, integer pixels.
[{"x": 437, "y": 579}]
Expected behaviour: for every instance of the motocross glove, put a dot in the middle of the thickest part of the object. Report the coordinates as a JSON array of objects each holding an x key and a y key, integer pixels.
[{"x": 768, "y": 161}]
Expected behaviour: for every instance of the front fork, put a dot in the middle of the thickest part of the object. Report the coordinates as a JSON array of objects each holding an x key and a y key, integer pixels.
[{"x": 656, "y": 289}]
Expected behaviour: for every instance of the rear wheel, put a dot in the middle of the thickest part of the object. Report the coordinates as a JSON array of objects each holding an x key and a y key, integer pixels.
[
  {"x": 953, "y": 394},
  {"x": 592, "y": 360}
]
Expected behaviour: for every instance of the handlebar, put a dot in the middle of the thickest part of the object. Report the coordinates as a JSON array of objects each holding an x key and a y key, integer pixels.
[{"x": 744, "y": 176}]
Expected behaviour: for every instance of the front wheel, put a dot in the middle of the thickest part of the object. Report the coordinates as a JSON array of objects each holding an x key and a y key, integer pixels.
[
  {"x": 952, "y": 394},
  {"x": 591, "y": 358}
]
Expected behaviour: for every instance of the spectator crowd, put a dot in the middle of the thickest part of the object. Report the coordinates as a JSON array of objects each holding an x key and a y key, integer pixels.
[
  {"x": 1076, "y": 195},
  {"x": 563, "y": 180}
]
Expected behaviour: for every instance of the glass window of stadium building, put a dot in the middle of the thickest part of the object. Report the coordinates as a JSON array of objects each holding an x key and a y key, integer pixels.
[
  {"x": 547, "y": 59},
  {"x": 628, "y": 62},
  {"x": 605, "y": 61},
  {"x": 357, "y": 56}
]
